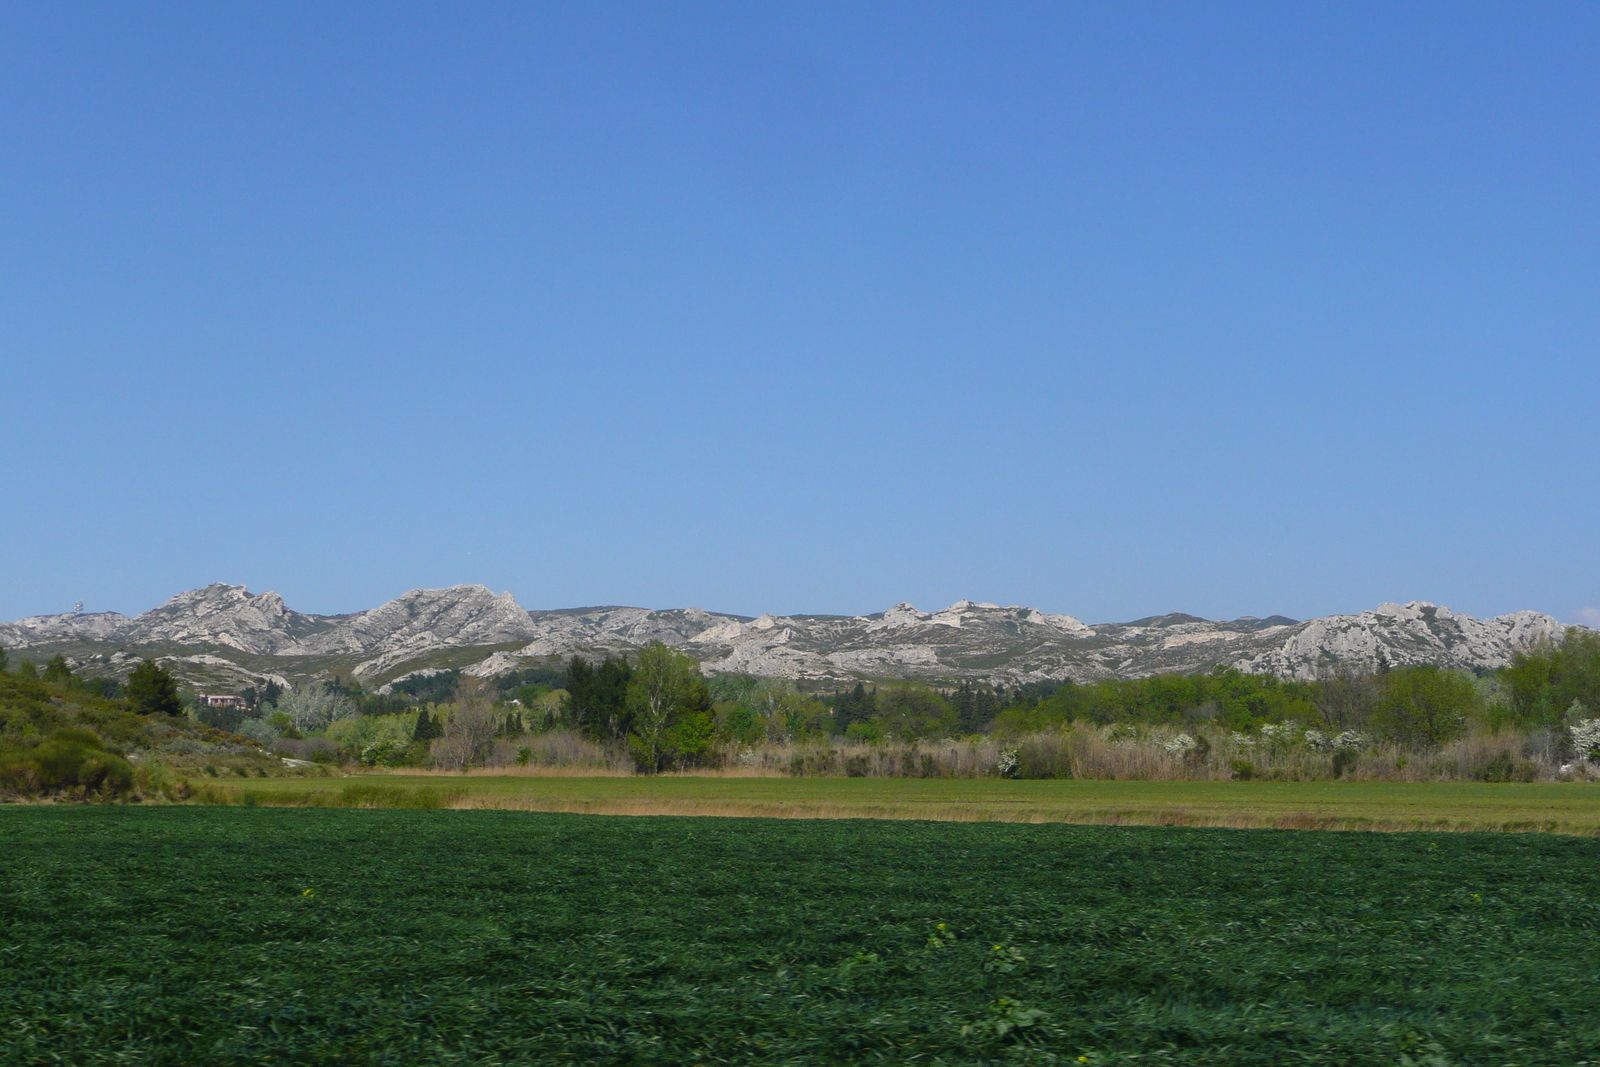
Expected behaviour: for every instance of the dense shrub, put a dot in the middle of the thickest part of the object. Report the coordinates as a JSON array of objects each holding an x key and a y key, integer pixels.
[
  {"x": 71, "y": 761},
  {"x": 1044, "y": 756},
  {"x": 1503, "y": 768},
  {"x": 26, "y": 710}
]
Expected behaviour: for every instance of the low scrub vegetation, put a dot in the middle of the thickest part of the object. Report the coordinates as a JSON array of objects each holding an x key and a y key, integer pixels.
[
  {"x": 73, "y": 762},
  {"x": 65, "y": 739}
]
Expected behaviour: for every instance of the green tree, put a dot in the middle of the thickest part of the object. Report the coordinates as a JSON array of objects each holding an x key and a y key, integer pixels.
[
  {"x": 1543, "y": 683},
  {"x": 910, "y": 710},
  {"x": 852, "y": 707},
  {"x": 597, "y": 697},
  {"x": 543, "y": 708},
  {"x": 666, "y": 688},
  {"x": 1345, "y": 697},
  {"x": 784, "y": 711},
  {"x": 58, "y": 670},
  {"x": 1423, "y": 705},
  {"x": 427, "y": 728},
  {"x": 693, "y": 736},
  {"x": 153, "y": 691},
  {"x": 737, "y": 722},
  {"x": 976, "y": 706}
]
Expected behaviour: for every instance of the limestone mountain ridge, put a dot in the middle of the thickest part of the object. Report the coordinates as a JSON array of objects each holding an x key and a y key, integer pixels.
[{"x": 223, "y": 635}]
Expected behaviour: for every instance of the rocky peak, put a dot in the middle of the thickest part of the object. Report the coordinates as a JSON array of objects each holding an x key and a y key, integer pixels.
[
  {"x": 422, "y": 618},
  {"x": 221, "y": 614},
  {"x": 901, "y": 615},
  {"x": 1065, "y": 623}
]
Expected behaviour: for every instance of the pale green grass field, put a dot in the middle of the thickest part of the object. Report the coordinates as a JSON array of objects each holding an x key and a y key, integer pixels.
[{"x": 1550, "y": 807}]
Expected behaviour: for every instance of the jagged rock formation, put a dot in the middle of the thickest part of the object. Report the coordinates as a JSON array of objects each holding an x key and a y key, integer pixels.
[
  {"x": 1396, "y": 635},
  {"x": 226, "y": 615},
  {"x": 223, "y": 634},
  {"x": 222, "y": 618},
  {"x": 1013, "y": 644}
]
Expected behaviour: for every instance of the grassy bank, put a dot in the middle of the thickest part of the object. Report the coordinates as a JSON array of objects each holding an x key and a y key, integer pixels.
[
  {"x": 232, "y": 936},
  {"x": 1461, "y": 806}
]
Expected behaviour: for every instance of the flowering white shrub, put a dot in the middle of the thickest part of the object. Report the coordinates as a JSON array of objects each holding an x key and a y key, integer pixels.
[
  {"x": 1586, "y": 739},
  {"x": 1318, "y": 741},
  {"x": 1008, "y": 767},
  {"x": 1242, "y": 740},
  {"x": 1176, "y": 744},
  {"x": 1350, "y": 741},
  {"x": 1279, "y": 731}
]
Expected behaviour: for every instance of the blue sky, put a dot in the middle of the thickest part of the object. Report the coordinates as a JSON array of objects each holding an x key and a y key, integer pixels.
[{"x": 1106, "y": 309}]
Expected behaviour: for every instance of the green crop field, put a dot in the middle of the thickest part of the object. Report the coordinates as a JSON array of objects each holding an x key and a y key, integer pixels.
[
  {"x": 1548, "y": 806},
  {"x": 233, "y": 935}
]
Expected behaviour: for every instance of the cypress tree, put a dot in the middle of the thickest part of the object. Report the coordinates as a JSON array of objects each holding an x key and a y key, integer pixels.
[
  {"x": 611, "y": 696},
  {"x": 580, "y": 696},
  {"x": 427, "y": 729}
]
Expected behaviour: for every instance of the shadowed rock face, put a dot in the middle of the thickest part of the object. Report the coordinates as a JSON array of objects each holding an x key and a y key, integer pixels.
[{"x": 1007, "y": 645}]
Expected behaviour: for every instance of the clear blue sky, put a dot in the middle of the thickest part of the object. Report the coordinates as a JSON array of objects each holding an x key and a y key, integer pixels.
[{"x": 1108, "y": 309}]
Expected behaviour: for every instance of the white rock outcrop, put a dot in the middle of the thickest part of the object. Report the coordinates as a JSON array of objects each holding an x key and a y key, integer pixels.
[{"x": 1008, "y": 645}]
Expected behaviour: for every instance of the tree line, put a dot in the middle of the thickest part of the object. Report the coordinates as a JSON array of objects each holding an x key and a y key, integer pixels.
[{"x": 659, "y": 707}]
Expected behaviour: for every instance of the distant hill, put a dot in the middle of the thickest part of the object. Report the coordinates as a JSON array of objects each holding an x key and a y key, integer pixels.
[{"x": 224, "y": 636}]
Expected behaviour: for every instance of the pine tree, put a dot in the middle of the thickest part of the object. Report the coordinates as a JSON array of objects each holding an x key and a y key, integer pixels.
[
  {"x": 855, "y": 706},
  {"x": 427, "y": 729},
  {"x": 57, "y": 669},
  {"x": 597, "y": 698},
  {"x": 977, "y": 705},
  {"x": 153, "y": 691}
]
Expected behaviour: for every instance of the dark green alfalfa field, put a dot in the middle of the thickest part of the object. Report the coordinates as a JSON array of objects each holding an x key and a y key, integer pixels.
[{"x": 238, "y": 935}]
